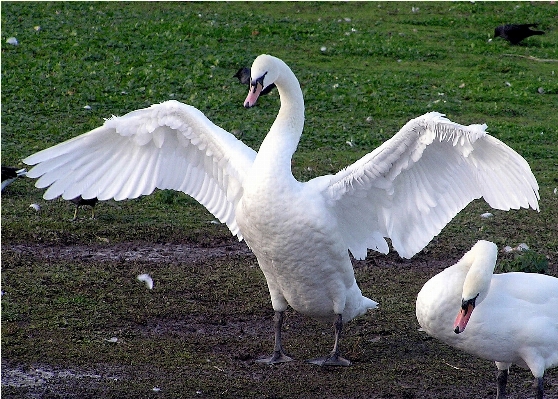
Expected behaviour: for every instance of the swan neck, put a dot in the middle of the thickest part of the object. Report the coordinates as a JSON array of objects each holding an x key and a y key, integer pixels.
[
  {"x": 282, "y": 140},
  {"x": 482, "y": 261},
  {"x": 291, "y": 114}
]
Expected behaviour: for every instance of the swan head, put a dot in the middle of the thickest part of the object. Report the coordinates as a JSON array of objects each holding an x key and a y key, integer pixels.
[
  {"x": 482, "y": 260},
  {"x": 264, "y": 72}
]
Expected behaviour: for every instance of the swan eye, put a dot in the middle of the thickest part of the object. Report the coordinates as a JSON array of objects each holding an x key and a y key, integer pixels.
[{"x": 466, "y": 302}]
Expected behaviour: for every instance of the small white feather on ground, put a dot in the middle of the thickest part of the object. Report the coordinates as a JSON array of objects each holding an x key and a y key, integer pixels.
[{"x": 146, "y": 278}]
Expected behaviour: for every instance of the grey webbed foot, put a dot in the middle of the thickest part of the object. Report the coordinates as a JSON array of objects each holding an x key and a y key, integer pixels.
[
  {"x": 276, "y": 358},
  {"x": 334, "y": 358}
]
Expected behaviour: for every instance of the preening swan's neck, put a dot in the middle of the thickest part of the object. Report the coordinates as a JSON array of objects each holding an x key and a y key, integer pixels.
[
  {"x": 481, "y": 260},
  {"x": 280, "y": 143}
]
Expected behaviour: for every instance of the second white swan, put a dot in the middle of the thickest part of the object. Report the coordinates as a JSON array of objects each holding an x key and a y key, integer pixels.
[{"x": 508, "y": 318}]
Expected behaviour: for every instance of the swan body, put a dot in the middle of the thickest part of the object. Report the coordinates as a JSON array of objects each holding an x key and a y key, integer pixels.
[
  {"x": 508, "y": 318},
  {"x": 407, "y": 190}
]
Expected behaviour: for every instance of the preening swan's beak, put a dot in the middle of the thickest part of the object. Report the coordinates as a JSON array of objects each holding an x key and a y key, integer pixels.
[
  {"x": 464, "y": 315},
  {"x": 253, "y": 95}
]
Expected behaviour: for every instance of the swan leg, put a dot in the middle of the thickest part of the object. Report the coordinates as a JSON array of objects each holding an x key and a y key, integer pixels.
[
  {"x": 502, "y": 379},
  {"x": 279, "y": 355},
  {"x": 540, "y": 387},
  {"x": 334, "y": 358}
]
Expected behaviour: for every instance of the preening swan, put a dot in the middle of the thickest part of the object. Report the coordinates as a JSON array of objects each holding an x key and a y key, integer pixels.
[
  {"x": 407, "y": 190},
  {"x": 508, "y": 318}
]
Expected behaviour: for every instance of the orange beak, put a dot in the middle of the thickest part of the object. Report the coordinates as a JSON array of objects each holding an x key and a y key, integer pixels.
[{"x": 463, "y": 318}]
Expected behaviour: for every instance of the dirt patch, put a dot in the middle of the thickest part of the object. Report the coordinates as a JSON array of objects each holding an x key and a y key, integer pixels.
[
  {"x": 76, "y": 324},
  {"x": 138, "y": 251}
]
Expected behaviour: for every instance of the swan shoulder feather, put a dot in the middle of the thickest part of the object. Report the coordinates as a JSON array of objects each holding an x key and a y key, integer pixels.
[
  {"x": 167, "y": 146},
  {"x": 411, "y": 186},
  {"x": 530, "y": 288}
]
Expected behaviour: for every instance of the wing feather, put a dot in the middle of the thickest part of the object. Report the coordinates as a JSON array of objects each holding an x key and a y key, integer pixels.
[
  {"x": 167, "y": 146},
  {"x": 411, "y": 186}
]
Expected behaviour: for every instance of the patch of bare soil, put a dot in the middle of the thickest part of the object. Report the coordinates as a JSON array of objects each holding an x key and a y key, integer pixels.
[
  {"x": 139, "y": 251},
  {"x": 194, "y": 340}
]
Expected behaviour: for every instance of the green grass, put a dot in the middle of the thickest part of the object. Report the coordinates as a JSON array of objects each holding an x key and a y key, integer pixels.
[{"x": 383, "y": 65}]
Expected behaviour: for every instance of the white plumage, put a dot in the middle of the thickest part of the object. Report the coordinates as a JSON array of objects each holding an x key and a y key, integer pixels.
[
  {"x": 146, "y": 278},
  {"x": 408, "y": 189},
  {"x": 508, "y": 318}
]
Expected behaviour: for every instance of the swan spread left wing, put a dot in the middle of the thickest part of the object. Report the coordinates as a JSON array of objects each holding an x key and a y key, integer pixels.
[
  {"x": 411, "y": 186},
  {"x": 166, "y": 146}
]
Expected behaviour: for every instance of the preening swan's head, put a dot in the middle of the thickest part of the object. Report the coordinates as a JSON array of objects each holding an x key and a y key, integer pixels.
[
  {"x": 482, "y": 259},
  {"x": 264, "y": 72}
]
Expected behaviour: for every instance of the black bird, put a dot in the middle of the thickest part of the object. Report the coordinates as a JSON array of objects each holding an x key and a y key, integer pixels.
[
  {"x": 9, "y": 175},
  {"x": 79, "y": 201},
  {"x": 516, "y": 33},
  {"x": 243, "y": 75}
]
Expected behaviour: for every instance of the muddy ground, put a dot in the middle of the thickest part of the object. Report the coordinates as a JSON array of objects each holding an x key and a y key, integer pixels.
[{"x": 77, "y": 324}]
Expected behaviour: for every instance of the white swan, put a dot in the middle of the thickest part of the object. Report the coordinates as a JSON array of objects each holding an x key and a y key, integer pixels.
[
  {"x": 510, "y": 317},
  {"x": 408, "y": 189}
]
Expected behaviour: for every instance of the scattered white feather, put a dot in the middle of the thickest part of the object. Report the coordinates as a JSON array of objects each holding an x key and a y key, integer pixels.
[
  {"x": 146, "y": 278},
  {"x": 112, "y": 340},
  {"x": 486, "y": 215},
  {"x": 522, "y": 247},
  {"x": 555, "y": 190},
  {"x": 156, "y": 389},
  {"x": 36, "y": 207},
  {"x": 12, "y": 40},
  {"x": 87, "y": 107}
]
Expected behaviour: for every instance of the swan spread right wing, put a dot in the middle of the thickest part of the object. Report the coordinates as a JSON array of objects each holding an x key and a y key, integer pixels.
[
  {"x": 167, "y": 146},
  {"x": 411, "y": 186}
]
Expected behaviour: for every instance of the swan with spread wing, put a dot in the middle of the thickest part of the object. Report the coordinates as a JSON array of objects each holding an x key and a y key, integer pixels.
[{"x": 406, "y": 190}]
